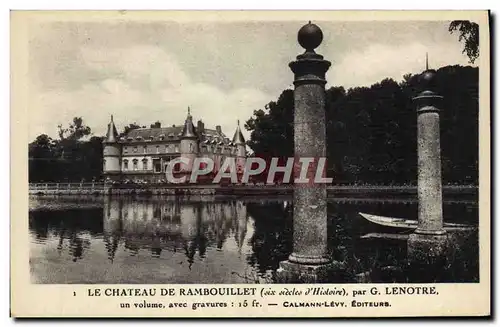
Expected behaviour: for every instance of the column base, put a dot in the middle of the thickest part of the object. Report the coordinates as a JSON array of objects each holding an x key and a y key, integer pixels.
[
  {"x": 291, "y": 272},
  {"x": 308, "y": 260},
  {"x": 426, "y": 247}
]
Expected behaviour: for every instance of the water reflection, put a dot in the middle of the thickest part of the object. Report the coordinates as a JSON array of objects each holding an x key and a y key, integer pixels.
[
  {"x": 169, "y": 240},
  {"x": 189, "y": 227}
]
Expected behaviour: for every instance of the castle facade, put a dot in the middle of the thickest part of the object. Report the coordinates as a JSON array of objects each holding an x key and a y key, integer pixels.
[{"x": 144, "y": 153}]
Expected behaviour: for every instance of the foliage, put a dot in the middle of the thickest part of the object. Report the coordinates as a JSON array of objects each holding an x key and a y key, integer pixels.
[
  {"x": 371, "y": 131},
  {"x": 75, "y": 131},
  {"x": 70, "y": 158},
  {"x": 156, "y": 124},
  {"x": 129, "y": 127},
  {"x": 469, "y": 34}
]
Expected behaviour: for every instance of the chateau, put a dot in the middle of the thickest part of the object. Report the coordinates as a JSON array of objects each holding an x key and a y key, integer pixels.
[{"x": 143, "y": 154}]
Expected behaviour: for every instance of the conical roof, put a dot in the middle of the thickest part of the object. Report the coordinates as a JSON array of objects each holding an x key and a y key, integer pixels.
[
  {"x": 238, "y": 138},
  {"x": 111, "y": 134},
  {"x": 189, "y": 130}
]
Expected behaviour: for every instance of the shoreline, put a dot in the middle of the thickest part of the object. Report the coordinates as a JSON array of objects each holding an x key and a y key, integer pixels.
[{"x": 237, "y": 190}]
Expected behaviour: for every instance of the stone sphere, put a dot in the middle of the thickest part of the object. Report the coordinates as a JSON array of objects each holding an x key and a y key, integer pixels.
[
  {"x": 428, "y": 79},
  {"x": 310, "y": 36}
]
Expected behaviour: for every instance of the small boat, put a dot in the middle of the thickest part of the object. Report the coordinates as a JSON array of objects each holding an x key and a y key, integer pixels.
[{"x": 407, "y": 223}]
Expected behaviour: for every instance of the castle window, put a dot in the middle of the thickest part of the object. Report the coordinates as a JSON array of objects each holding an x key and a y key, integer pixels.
[
  {"x": 157, "y": 149},
  {"x": 144, "y": 164},
  {"x": 135, "y": 149},
  {"x": 167, "y": 149},
  {"x": 135, "y": 163},
  {"x": 145, "y": 149},
  {"x": 125, "y": 164},
  {"x": 157, "y": 165},
  {"x": 176, "y": 148},
  {"x": 125, "y": 150}
]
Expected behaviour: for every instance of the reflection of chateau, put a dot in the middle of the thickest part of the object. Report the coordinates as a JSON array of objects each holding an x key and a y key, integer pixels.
[
  {"x": 145, "y": 152},
  {"x": 135, "y": 230},
  {"x": 158, "y": 225}
]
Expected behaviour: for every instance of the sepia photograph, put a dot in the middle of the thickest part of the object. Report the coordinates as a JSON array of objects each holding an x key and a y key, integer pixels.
[{"x": 195, "y": 149}]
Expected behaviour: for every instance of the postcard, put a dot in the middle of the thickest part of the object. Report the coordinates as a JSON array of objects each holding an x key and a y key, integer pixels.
[{"x": 285, "y": 164}]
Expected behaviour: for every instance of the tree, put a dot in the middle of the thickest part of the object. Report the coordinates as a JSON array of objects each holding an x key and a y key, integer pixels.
[
  {"x": 469, "y": 34},
  {"x": 128, "y": 128},
  {"x": 272, "y": 129},
  {"x": 70, "y": 158},
  {"x": 42, "y": 147},
  {"x": 75, "y": 131},
  {"x": 156, "y": 124},
  {"x": 41, "y": 153}
]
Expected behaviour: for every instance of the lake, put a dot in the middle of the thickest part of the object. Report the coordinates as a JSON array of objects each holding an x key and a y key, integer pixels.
[{"x": 165, "y": 240}]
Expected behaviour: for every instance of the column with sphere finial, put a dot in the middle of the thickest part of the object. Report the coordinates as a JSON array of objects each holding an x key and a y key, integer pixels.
[
  {"x": 309, "y": 260},
  {"x": 429, "y": 239}
]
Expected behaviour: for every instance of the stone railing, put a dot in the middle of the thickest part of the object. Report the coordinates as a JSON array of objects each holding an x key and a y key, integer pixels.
[{"x": 67, "y": 188}]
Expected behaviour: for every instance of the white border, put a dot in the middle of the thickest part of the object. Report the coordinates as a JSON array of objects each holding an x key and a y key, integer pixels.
[{"x": 200, "y": 4}]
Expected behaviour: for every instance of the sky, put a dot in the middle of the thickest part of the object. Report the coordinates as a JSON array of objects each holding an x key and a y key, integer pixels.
[{"x": 147, "y": 71}]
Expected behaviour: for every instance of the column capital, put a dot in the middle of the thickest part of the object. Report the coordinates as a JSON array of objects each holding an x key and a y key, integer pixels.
[
  {"x": 309, "y": 69},
  {"x": 428, "y": 101}
]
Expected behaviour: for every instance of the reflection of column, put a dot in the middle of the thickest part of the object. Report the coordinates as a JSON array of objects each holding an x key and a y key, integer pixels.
[
  {"x": 112, "y": 225},
  {"x": 189, "y": 229},
  {"x": 208, "y": 220},
  {"x": 189, "y": 221},
  {"x": 241, "y": 223},
  {"x": 61, "y": 239},
  {"x": 220, "y": 236},
  {"x": 131, "y": 225},
  {"x": 76, "y": 246},
  {"x": 156, "y": 247},
  {"x": 112, "y": 218},
  {"x": 200, "y": 232}
]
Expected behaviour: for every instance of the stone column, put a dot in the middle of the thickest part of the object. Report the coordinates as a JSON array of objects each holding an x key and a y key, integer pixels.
[
  {"x": 308, "y": 261},
  {"x": 429, "y": 239}
]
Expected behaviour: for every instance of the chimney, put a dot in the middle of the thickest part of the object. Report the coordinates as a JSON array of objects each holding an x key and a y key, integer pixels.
[
  {"x": 200, "y": 127},
  {"x": 218, "y": 129}
]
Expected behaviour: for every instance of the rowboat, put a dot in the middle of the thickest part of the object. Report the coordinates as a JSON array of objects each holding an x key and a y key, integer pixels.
[{"x": 407, "y": 223}]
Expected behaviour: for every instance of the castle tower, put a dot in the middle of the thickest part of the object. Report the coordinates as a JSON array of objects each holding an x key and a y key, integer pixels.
[
  {"x": 189, "y": 143},
  {"x": 111, "y": 152},
  {"x": 239, "y": 142}
]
